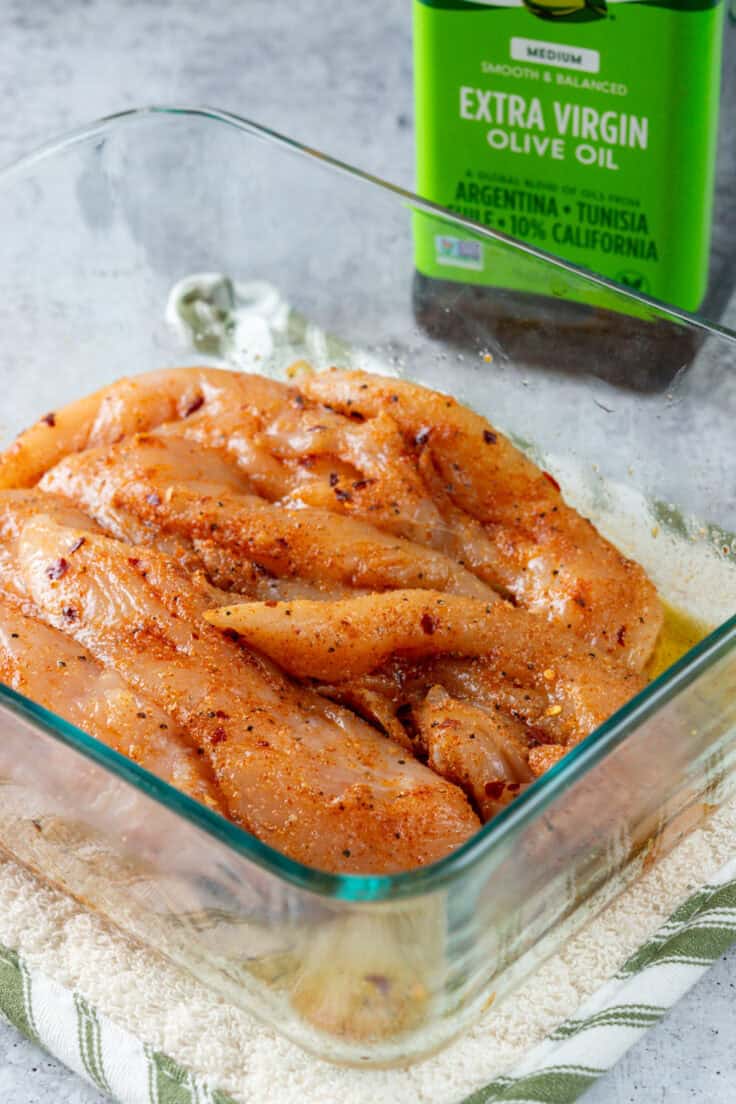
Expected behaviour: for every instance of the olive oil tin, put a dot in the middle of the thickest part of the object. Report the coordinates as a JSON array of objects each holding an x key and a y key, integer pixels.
[{"x": 585, "y": 127}]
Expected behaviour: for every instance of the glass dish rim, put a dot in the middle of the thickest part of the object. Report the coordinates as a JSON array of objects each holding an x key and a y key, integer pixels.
[{"x": 538, "y": 797}]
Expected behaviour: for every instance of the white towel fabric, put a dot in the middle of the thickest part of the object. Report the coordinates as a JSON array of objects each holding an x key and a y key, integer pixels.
[{"x": 155, "y": 1001}]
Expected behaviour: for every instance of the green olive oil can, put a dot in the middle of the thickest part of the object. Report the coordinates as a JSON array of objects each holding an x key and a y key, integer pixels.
[{"x": 585, "y": 127}]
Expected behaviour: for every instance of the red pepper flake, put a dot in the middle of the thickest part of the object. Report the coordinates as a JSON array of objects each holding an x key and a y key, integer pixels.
[
  {"x": 133, "y": 561},
  {"x": 57, "y": 569},
  {"x": 219, "y": 735},
  {"x": 356, "y": 416},
  {"x": 428, "y": 623},
  {"x": 194, "y": 405},
  {"x": 49, "y": 419},
  {"x": 621, "y": 635},
  {"x": 262, "y": 743},
  {"x": 153, "y": 499},
  {"x": 221, "y": 714},
  {"x": 552, "y": 480},
  {"x": 77, "y": 544},
  {"x": 579, "y": 601},
  {"x": 513, "y": 787},
  {"x": 343, "y": 496},
  {"x": 489, "y": 437},
  {"x": 334, "y": 479},
  {"x": 271, "y": 603},
  {"x": 494, "y": 789},
  {"x": 70, "y": 614}
]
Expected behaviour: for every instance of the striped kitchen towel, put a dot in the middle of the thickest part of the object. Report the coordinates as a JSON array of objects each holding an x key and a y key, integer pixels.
[{"x": 557, "y": 1071}]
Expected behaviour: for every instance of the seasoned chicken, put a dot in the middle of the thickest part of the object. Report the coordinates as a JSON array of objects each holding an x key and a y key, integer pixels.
[
  {"x": 302, "y": 774},
  {"x": 163, "y": 486},
  {"x": 342, "y": 640},
  {"x": 16, "y": 508},
  {"x": 419, "y": 575},
  {"x": 483, "y": 751},
  {"x": 55, "y": 671},
  {"x": 131, "y": 405},
  {"x": 549, "y": 558}
]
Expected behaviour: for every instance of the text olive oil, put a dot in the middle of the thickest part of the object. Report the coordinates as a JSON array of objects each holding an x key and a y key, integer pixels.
[{"x": 586, "y": 127}]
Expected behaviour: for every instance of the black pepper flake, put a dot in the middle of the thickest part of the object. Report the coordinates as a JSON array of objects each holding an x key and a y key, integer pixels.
[
  {"x": 141, "y": 715},
  {"x": 70, "y": 614},
  {"x": 346, "y": 852},
  {"x": 231, "y": 634},
  {"x": 77, "y": 544},
  {"x": 163, "y": 725},
  {"x": 153, "y": 499},
  {"x": 14, "y": 636},
  {"x": 57, "y": 569},
  {"x": 489, "y": 437},
  {"x": 422, "y": 436},
  {"x": 361, "y": 484},
  {"x": 60, "y": 663},
  {"x": 621, "y": 635},
  {"x": 334, "y": 479},
  {"x": 49, "y": 419},
  {"x": 343, "y": 496}
]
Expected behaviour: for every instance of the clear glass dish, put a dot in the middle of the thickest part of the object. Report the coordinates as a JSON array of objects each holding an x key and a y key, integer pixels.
[{"x": 97, "y": 229}]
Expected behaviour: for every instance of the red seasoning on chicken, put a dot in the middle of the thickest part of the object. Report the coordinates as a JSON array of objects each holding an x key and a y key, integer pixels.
[{"x": 350, "y": 616}]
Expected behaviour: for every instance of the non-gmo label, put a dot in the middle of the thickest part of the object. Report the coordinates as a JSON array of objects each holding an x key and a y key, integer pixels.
[
  {"x": 458, "y": 252},
  {"x": 553, "y": 53}
]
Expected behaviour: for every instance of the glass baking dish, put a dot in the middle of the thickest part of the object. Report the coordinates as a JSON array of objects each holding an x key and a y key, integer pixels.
[{"x": 97, "y": 229}]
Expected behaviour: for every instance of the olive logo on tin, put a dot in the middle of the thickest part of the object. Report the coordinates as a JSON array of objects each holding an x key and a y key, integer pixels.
[{"x": 571, "y": 11}]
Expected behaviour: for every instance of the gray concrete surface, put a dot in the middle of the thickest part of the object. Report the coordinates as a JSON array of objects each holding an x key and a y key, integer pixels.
[{"x": 338, "y": 77}]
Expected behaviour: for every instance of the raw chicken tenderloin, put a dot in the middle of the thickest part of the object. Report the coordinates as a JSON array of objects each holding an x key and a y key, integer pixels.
[
  {"x": 482, "y": 751},
  {"x": 130, "y": 405},
  {"x": 55, "y": 671},
  {"x": 549, "y": 558},
  {"x": 16, "y": 508},
  {"x": 346, "y": 639},
  {"x": 165, "y": 485},
  {"x": 303, "y": 775}
]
